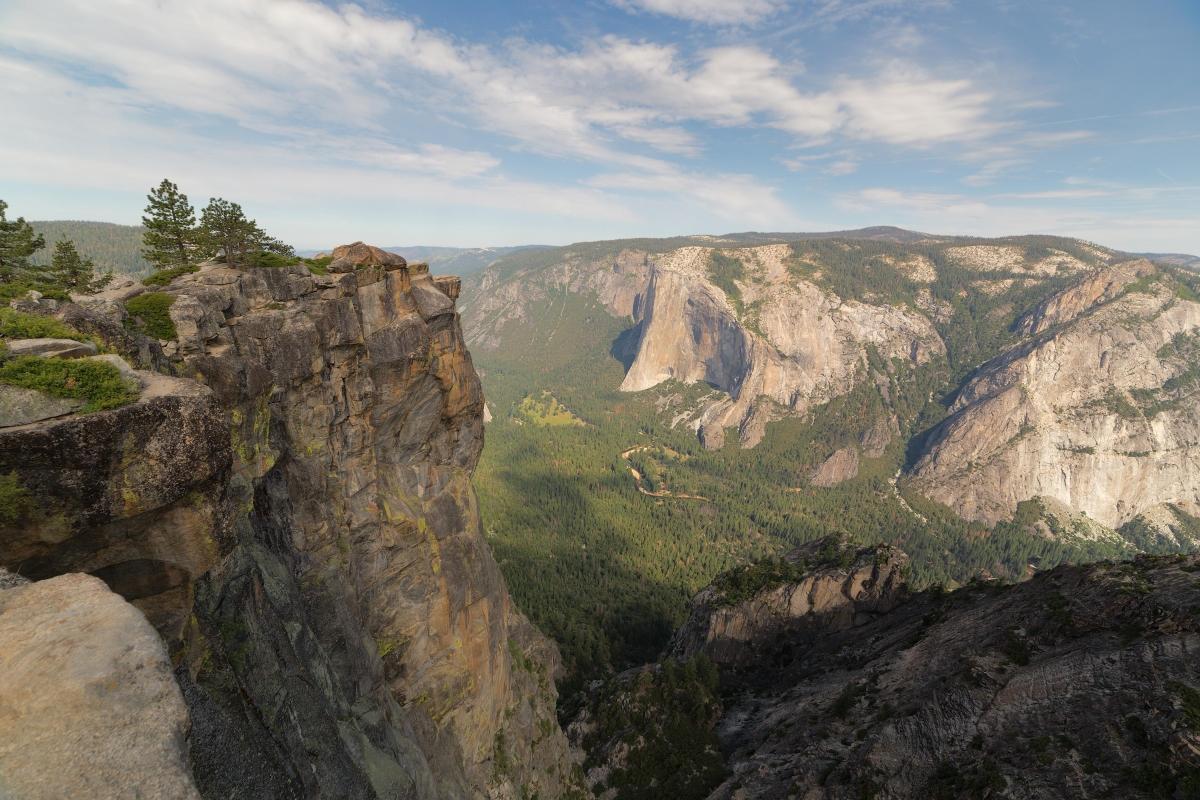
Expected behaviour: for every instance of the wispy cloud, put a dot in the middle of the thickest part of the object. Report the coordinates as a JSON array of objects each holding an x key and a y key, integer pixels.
[{"x": 713, "y": 12}]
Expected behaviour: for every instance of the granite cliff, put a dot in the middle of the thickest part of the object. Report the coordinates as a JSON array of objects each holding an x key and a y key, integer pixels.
[
  {"x": 291, "y": 507},
  {"x": 773, "y": 343},
  {"x": 835, "y": 680},
  {"x": 1023, "y": 370},
  {"x": 1094, "y": 408}
]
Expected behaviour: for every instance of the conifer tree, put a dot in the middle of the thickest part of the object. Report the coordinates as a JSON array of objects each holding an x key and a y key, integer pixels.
[
  {"x": 228, "y": 232},
  {"x": 18, "y": 242},
  {"x": 72, "y": 272},
  {"x": 171, "y": 236}
]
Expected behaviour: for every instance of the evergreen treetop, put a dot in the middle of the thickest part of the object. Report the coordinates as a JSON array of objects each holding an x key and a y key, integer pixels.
[
  {"x": 72, "y": 272},
  {"x": 171, "y": 236},
  {"x": 17, "y": 243},
  {"x": 227, "y": 231}
]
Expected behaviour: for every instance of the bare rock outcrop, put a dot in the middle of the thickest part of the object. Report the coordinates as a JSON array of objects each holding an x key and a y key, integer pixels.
[
  {"x": 1081, "y": 682},
  {"x": 342, "y": 629},
  {"x": 829, "y": 585},
  {"x": 841, "y": 683},
  {"x": 134, "y": 495},
  {"x": 1096, "y": 410},
  {"x": 782, "y": 345},
  {"x": 89, "y": 707},
  {"x": 348, "y": 257}
]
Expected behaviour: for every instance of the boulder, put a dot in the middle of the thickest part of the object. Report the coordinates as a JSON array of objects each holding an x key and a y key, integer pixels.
[
  {"x": 19, "y": 406},
  {"x": 347, "y": 257},
  {"x": 90, "y": 707},
  {"x": 57, "y": 348}
]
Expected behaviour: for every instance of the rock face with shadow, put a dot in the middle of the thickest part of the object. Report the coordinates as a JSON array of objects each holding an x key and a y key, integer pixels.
[
  {"x": 776, "y": 344},
  {"x": 836, "y": 680},
  {"x": 339, "y": 625}
]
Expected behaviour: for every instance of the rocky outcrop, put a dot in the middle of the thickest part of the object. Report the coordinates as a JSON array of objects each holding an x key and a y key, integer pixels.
[
  {"x": 56, "y": 348},
  {"x": 841, "y": 466},
  {"x": 1096, "y": 410},
  {"x": 349, "y": 257},
  {"x": 134, "y": 495},
  {"x": 829, "y": 585},
  {"x": 781, "y": 345},
  {"x": 1081, "y": 682},
  {"x": 90, "y": 707},
  {"x": 343, "y": 630}
]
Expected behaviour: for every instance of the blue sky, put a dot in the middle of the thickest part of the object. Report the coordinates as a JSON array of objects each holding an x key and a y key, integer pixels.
[{"x": 461, "y": 123}]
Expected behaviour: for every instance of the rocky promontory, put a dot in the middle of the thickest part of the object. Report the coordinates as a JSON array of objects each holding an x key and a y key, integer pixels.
[
  {"x": 834, "y": 680},
  {"x": 288, "y": 500}
]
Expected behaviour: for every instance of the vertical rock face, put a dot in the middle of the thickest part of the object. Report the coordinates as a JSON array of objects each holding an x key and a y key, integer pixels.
[
  {"x": 1097, "y": 410},
  {"x": 618, "y": 283},
  {"x": 134, "y": 495},
  {"x": 350, "y": 635},
  {"x": 782, "y": 340},
  {"x": 828, "y": 585},
  {"x": 90, "y": 707}
]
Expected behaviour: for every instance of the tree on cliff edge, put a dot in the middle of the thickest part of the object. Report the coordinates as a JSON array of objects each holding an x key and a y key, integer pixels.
[
  {"x": 17, "y": 243},
  {"x": 228, "y": 232},
  {"x": 170, "y": 220},
  {"x": 72, "y": 272}
]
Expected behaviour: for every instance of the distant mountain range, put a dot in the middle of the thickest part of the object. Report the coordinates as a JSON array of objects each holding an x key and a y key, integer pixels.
[
  {"x": 118, "y": 247},
  {"x": 1175, "y": 259},
  {"x": 451, "y": 260}
]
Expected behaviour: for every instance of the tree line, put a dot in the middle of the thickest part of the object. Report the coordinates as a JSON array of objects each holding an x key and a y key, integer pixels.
[
  {"x": 67, "y": 272},
  {"x": 175, "y": 241}
]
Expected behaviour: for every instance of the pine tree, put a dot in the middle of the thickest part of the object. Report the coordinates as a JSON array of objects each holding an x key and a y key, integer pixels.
[
  {"x": 171, "y": 236},
  {"x": 72, "y": 272},
  {"x": 17, "y": 243},
  {"x": 227, "y": 231}
]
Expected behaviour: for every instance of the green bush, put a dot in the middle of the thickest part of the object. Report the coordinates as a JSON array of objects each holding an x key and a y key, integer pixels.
[
  {"x": 264, "y": 259},
  {"x": 15, "y": 501},
  {"x": 19, "y": 325},
  {"x": 14, "y": 289},
  {"x": 97, "y": 383},
  {"x": 164, "y": 276},
  {"x": 318, "y": 266},
  {"x": 151, "y": 310}
]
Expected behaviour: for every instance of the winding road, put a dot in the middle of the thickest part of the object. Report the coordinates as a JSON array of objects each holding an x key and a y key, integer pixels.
[{"x": 640, "y": 484}]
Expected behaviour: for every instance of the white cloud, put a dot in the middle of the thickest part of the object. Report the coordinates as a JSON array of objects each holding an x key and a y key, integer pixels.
[
  {"x": 906, "y": 106},
  {"x": 716, "y": 12},
  {"x": 846, "y": 166},
  {"x": 740, "y": 197},
  {"x": 1141, "y": 229}
]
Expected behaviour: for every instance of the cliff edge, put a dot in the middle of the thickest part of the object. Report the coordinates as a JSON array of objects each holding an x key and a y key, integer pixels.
[{"x": 294, "y": 513}]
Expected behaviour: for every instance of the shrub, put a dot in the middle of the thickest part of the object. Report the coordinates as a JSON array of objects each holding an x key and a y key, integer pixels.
[
  {"x": 164, "y": 276},
  {"x": 97, "y": 383},
  {"x": 14, "y": 289},
  {"x": 19, "y": 325},
  {"x": 15, "y": 501},
  {"x": 264, "y": 259},
  {"x": 318, "y": 266},
  {"x": 151, "y": 310}
]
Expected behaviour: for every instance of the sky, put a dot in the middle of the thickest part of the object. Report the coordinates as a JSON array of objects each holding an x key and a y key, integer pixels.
[{"x": 489, "y": 123}]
